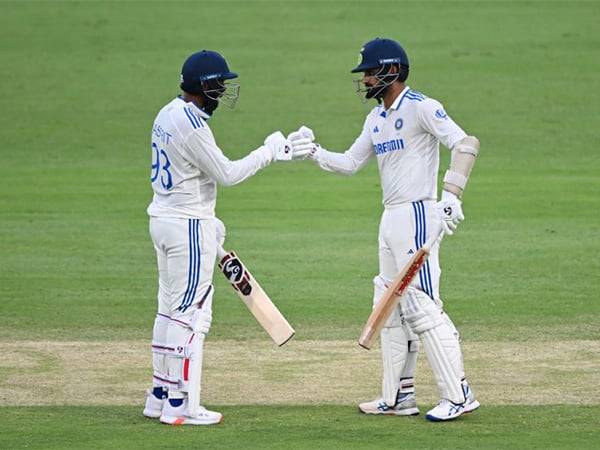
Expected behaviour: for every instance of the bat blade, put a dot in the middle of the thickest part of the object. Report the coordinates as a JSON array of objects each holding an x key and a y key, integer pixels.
[
  {"x": 391, "y": 298},
  {"x": 255, "y": 298}
]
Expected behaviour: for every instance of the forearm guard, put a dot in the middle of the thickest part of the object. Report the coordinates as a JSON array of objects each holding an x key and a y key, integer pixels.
[{"x": 461, "y": 163}]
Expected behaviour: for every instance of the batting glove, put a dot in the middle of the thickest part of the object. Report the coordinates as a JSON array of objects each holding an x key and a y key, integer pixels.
[
  {"x": 449, "y": 210},
  {"x": 201, "y": 320},
  {"x": 280, "y": 147},
  {"x": 302, "y": 142},
  {"x": 220, "y": 231}
]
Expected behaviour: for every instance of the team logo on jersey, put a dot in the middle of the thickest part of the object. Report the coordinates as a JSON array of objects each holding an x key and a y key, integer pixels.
[
  {"x": 441, "y": 114},
  {"x": 399, "y": 124}
]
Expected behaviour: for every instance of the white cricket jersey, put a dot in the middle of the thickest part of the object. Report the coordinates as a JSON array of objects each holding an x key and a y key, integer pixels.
[
  {"x": 187, "y": 164},
  {"x": 405, "y": 140}
]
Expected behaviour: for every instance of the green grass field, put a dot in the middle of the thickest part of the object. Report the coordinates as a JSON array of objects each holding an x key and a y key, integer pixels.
[{"x": 81, "y": 84}]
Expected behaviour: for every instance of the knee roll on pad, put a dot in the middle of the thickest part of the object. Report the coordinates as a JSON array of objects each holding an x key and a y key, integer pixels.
[
  {"x": 419, "y": 311},
  {"x": 379, "y": 288}
]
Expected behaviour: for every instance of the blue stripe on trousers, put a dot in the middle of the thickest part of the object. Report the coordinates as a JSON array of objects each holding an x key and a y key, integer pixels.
[
  {"x": 426, "y": 268},
  {"x": 194, "y": 264},
  {"x": 190, "y": 265},
  {"x": 420, "y": 234}
]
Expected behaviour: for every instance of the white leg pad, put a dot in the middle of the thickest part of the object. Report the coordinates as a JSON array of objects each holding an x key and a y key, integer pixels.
[
  {"x": 394, "y": 348},
  {"x": 185, "y": 362},
  {"x": 159, "y": 360},
  {"x": 441, "y": 345},
  {"x": 192, "y": 372},
  {"x": 407, "y": 376}
]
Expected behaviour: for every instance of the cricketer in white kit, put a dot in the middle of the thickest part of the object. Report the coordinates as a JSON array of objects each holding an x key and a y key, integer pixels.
[
  {"x": 403, "y": 133},
  {"x": 186, "y": 166}
]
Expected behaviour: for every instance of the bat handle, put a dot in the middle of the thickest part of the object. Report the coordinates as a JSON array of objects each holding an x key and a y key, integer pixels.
[{"x": 433, "y": 239}]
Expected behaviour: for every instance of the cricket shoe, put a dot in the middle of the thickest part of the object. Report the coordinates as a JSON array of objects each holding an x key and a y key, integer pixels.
[
  {"x": 155, "y": 400},
  {"x": 471, "y": 404},
  {"x": 178, "y": 415},
  {"x": 406, "y": 405},
  {"x": 447, "y": 410}
]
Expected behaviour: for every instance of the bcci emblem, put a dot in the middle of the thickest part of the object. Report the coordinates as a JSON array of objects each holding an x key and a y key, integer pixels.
[{"x": 398, "y": 124}]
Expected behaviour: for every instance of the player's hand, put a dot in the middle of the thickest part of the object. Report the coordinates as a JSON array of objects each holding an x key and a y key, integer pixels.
[
  {"x": 302, "y": 142},
  {"x": 220, "y": 231},
  {"x": 450, "y": 212},
  {"x": 280, "y": 147},
  {"x": 201, "y": 320}
]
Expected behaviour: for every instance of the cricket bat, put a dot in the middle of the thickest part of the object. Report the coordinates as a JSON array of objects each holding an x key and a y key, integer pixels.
[
  {"x": 255, "y": 298},
  {"x": 392, "y": 295}
]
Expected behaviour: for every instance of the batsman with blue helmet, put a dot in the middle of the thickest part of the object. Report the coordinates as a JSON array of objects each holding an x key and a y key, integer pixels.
[
  {"x": 187, "y": 164},
  {"x": 403, "y": 133}
]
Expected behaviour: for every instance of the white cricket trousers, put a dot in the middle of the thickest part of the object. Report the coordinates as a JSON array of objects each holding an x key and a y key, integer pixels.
[
  {"x": 402, "y": 231},
  {"x": 185, "y": 252}
]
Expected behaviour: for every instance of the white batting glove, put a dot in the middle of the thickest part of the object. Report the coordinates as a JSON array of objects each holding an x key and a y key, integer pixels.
[
  {"x": 302, "y": 142},
  {"x": 449, "y": 210},
  {"x": 201, "y": 320},
  {"x": 221, "y": 233},
  {"x": 280, "y": 147}
]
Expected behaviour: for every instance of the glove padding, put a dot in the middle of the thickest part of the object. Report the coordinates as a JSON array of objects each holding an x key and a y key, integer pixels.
[
  {"x": 280, "y": 147},
  {"x": 201, "y": 321},
  {"x": 449, "y": 210},
  {"x": 302, "y": 142},
  {"x": 220, "y": 231}
]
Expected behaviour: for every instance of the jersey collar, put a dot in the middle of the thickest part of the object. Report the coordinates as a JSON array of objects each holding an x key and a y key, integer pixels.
[
  {"x": 399, "y": 99},
  {"x": 200, "y": 112}
]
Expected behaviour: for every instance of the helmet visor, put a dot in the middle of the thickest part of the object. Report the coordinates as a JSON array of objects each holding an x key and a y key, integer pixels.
[
  {"x": 383, "y": 78},
  {"x": 226, "y": 92}
]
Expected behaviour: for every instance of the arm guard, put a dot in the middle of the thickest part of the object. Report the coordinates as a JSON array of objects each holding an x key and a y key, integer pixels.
[{"x": 461, "y": 163}]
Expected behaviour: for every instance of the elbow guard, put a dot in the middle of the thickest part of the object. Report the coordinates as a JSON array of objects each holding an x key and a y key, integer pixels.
[{"x": 461, "y": 163}]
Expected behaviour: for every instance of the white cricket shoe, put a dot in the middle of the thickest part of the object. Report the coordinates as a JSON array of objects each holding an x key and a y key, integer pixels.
[
  {"x": 471, "y": 404},
  {"x": 178, "y": 415},
  {"x": 154, "y": 405},
  {"x": 447, "y": 410},
  {"x": 406, "y": 405}
]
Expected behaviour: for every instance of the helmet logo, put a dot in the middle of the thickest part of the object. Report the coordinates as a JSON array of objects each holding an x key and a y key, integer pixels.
[
  {"x": 399, "y": 124},
  {"x": 360, "y": 55}
]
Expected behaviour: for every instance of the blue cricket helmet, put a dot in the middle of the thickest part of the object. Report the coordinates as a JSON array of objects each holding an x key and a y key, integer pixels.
[
  {"x": 379, "y": 52},
  {"x": 203, "y": 66}
]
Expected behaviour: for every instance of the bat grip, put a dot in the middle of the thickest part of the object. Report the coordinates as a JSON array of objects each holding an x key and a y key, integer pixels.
[{"x": 435, "y": 237}]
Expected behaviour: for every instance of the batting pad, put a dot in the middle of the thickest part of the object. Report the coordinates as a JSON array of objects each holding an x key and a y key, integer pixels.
[
  {"x": 443, "y": 352},
  {"x": 192, "y": 372},
  {"x": 394, "y": 350}
]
